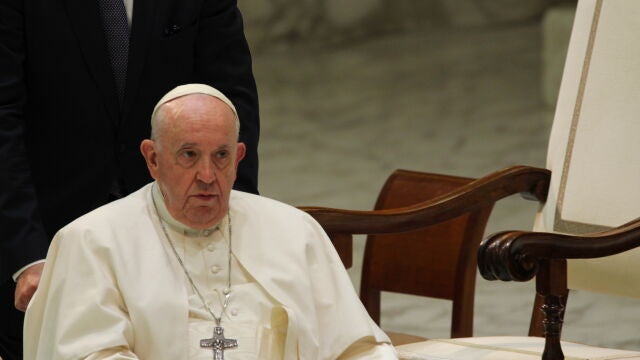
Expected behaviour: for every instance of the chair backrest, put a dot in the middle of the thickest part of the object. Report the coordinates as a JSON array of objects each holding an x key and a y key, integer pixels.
[
  {"x": 477, "y": 196},
  {"x": 594, "y": 155},
  {"x": 594, "y": 162},
  {"x": 435, "y": 261}
]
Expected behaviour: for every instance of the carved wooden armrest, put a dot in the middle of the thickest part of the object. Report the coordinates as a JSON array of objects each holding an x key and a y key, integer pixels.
[
  {"x": 531, "y": 182},
  {"x": 519, "y": 256}
]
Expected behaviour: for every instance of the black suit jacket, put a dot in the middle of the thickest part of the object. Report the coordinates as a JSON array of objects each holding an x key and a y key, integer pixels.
[{"x": 64, "y": 137}]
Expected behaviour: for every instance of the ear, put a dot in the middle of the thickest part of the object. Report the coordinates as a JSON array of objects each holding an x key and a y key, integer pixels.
[
  {"x": 241, "y": 150},
  {"x": 148, "y": 150}
]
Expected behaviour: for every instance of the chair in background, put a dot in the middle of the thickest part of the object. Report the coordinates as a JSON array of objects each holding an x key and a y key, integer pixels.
[
  {"x": 521, "y": 256},
  {"x": 411, "y": 237},
  {"x": 436, "y": 261}
]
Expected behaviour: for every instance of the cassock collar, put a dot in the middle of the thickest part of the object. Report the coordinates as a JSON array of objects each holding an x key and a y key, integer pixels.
[{"x": 164, "y": 214}]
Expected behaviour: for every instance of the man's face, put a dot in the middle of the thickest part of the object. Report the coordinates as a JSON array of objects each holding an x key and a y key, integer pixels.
[{"x": 195, "y": 158}]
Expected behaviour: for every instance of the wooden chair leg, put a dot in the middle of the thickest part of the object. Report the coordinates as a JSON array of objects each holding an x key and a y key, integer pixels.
[
  {"x": 551, "y": 282},
  {"x": 536, "y": 325},
  {"x": 553, "y": 310}
]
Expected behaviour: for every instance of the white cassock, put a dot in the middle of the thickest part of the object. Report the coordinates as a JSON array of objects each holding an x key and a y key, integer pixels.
[{"x": 112, "y": 288}]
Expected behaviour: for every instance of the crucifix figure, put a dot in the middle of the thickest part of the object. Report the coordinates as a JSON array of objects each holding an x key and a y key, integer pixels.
[{"x": 218, "y": 343}]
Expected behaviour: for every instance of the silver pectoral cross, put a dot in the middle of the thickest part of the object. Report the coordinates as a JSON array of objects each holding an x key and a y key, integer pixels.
[{"x": 218, "y": 343}]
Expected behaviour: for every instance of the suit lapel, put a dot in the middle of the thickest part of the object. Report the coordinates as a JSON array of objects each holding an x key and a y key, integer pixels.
[
  {"x": 85, "y": 19},
  {"x": 143, "y": 15}
]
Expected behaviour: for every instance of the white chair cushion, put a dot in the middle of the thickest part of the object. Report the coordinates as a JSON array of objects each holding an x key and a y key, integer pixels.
[{"x": 503, "y": 348}]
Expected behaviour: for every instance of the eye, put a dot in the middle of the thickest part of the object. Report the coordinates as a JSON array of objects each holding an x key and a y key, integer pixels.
[
  {"x": 187, "y": 157},
  {"x": 188, "y": 154},
  {"x": 222, "y": 154},
  {"x": 222, "y": 158}
]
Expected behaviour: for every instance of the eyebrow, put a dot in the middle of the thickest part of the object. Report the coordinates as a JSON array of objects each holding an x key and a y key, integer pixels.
[{"x": 192, "y": 144}]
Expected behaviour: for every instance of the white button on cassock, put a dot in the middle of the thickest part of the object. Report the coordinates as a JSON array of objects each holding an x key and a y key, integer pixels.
[
  {"x": 215, "y": 269},
  {"x": 211, "y": 247}
]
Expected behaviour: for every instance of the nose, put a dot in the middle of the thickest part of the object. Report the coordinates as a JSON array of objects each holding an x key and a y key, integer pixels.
[{"x": 206, "y": 172}]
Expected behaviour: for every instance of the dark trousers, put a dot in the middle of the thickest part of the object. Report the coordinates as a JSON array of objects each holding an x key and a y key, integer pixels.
[{"x": 11, "y": 321}]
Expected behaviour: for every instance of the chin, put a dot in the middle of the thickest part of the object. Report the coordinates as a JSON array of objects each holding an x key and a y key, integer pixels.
[{"x": 204, "y": 221}]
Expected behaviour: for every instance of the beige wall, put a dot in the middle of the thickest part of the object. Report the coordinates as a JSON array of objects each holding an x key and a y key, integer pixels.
[{"x": 290, "y": 20}]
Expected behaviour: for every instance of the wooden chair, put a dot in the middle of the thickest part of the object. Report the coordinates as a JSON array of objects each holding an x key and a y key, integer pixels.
[
  {"x": 436, "y": 261},
  {"x": 412, "y": 237},
  {"x": 521, "y": 256}
]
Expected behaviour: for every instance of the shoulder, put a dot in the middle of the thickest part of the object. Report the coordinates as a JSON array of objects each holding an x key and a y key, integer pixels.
[
  {"x": 284, "y": 222},
  {"x": 113, "y": 217},
  {"x": 246, "y": 202}
]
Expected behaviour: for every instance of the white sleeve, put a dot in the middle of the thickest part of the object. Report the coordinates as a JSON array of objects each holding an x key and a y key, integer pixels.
[
  {"x": 77, "y": 311},
  {"x": 17, "y": 273}
]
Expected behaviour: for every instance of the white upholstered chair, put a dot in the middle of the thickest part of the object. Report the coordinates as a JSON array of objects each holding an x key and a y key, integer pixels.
[{"x": 592, "y": 200}]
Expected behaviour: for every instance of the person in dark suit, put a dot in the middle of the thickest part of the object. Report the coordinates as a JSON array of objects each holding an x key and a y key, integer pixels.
[{"x": 71, "y": 120}]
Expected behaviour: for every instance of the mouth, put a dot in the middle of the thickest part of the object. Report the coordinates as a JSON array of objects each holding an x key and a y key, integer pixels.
[{"x": 205, "y": 197}]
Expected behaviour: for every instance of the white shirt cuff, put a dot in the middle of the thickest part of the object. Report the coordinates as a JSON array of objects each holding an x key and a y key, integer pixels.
[{"x": 17, "y": 273}]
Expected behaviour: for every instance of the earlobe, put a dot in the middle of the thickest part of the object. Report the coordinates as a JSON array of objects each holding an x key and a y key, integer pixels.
[
  {"x": 241, "y": 150},
  {"x": 147, "y": 148}
]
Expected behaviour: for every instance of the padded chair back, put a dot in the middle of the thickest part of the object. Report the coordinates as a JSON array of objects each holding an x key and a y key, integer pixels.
[
  {"x": 435, "y": 261},
  {"x": 594, "y": 153}
]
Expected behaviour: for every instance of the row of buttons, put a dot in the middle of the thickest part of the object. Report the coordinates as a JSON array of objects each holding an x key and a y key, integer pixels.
[{"x": 215, "y": 268}]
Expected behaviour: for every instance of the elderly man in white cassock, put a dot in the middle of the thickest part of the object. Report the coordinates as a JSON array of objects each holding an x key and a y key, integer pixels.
[{"x": 186, "y": 268}]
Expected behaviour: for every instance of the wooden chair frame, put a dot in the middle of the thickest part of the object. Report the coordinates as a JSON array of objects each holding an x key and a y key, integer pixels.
[
  {"x": 506, "y": 256},
  {"x": 532, "y": 183},
  {"x": 341, "y": 225}
]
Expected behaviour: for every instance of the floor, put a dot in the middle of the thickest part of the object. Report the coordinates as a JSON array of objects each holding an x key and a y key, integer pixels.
[{"x": 338, "y": 119}]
